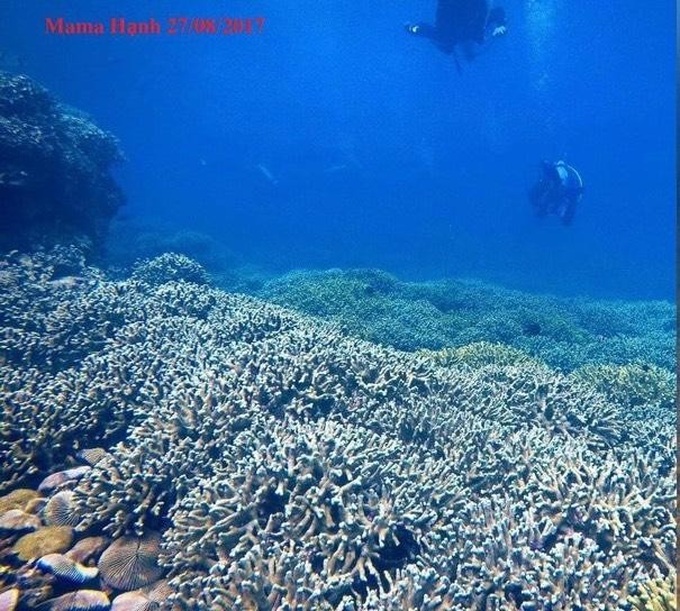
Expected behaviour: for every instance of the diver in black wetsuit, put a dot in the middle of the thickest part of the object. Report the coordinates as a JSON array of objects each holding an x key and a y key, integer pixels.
[
  {"x": 558, "y": 191},
  {"x": 464, "y": 24}
]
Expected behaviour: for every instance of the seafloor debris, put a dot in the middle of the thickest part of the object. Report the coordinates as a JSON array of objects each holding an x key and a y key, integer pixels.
[{"x": 274, "y": 462}]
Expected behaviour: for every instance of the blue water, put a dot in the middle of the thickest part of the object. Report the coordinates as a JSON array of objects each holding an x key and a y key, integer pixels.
[{"x": 381, "y": 153}]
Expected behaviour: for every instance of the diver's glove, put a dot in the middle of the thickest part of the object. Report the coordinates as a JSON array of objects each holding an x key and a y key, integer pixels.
[{"x": 500, "y": 30}]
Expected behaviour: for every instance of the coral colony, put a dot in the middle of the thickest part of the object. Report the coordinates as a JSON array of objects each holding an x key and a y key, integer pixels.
[
  {"x": 165, "y": 444},
  {"x": 55, "y": 182}
]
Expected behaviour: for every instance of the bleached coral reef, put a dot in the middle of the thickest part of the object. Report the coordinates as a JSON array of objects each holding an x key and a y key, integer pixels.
[{"x": 284, "y": 464}]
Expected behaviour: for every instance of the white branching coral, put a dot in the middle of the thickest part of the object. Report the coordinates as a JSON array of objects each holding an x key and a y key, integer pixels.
[{"x": 286, "y": 465}]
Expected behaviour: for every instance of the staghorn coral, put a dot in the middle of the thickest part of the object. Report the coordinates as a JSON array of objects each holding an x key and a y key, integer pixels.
[
  {"x": 630, "y": 510},
  {"x": 549, "y": 535},
  {"x": 46, "y": 419},
  {"x": 366, "y": 302},
  {"x": 46, "y": 321},
  {"x": 129, "y": 242},
  {"x": 304, "y": 483},
  {"x": 479, "y": 354},
  {"x": 86, "y": 338},
  {"x": 533, "y": 393},
  {"x": 170, "y": 267},
  {"x": 322, "y": 493},
  {"x": 289, "y": 465},
  {"x": 638, "y": 388},
  {"x": 657, "y": 595},
  {"x": 564, "y": 333}
]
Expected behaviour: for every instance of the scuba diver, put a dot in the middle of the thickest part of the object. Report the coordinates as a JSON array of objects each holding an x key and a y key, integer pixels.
[
  {"x": 558, "y": 191},
  {"x": 467, "y": 24}
]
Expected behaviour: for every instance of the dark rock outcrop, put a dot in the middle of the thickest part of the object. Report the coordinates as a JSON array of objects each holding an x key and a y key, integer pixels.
[{"x": 55, "y": 185}]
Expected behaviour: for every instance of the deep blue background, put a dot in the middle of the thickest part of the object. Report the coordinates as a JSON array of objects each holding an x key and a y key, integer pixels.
[{"x": 436, "y": 163}]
